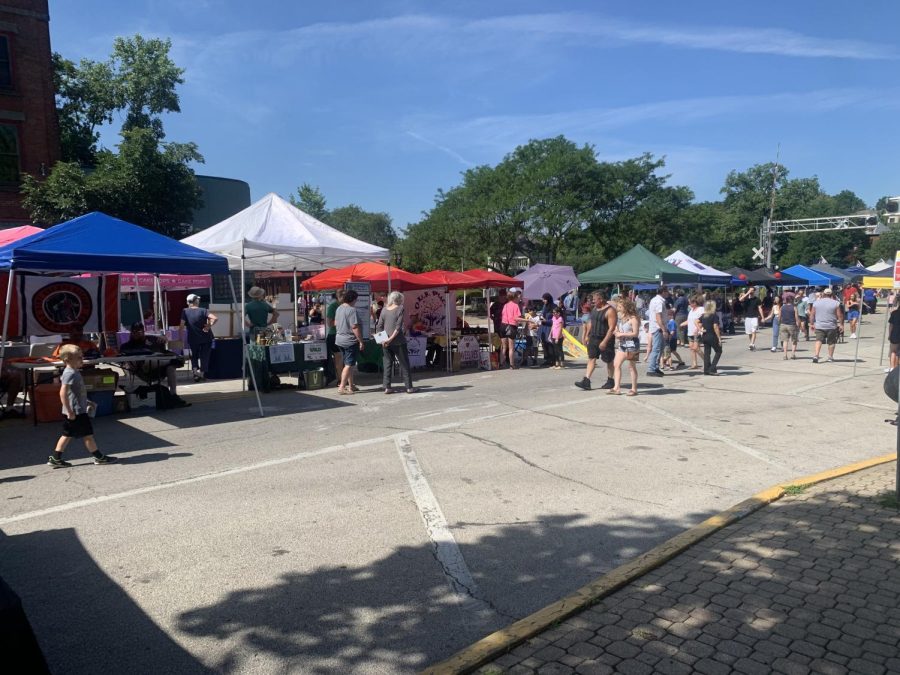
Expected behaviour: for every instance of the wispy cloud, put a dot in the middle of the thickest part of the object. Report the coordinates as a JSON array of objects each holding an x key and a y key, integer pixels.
[
  {"x": 505, "y": 131},
  {"x": 443, "y": 148}
]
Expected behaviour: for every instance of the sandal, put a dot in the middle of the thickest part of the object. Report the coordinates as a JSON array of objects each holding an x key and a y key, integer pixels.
[
  {"x": 631, "y": 393},
  {"x": 785, "y": 357},
  {"x": 613, "y": 392},
  {"x": 345, "y": 392}
]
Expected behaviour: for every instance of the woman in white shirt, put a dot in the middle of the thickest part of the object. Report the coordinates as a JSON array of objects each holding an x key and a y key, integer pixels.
[{"x": 693, "y": 329}]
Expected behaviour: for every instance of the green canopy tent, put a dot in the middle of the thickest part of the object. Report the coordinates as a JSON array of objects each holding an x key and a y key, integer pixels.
[{"x": 638, "y": 266}]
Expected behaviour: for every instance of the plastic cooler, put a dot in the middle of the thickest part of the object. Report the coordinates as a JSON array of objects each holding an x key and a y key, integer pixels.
[
  {"x": 47, "y": 403},
  {"x": 104, "y": 400}
]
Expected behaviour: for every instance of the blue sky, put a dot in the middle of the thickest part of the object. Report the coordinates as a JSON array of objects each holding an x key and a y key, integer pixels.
[{"x": 381, "y": 102}]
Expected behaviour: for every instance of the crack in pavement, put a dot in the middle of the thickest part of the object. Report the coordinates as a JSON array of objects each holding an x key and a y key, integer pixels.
[{"x": 533, "y": 465}]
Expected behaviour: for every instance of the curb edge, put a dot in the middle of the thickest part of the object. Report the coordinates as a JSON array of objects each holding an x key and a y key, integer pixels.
[{"x": 500, "y": 642}]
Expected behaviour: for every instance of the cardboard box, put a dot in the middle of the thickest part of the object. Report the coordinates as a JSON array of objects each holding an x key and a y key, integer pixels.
[{"x": 102, "y": 379}]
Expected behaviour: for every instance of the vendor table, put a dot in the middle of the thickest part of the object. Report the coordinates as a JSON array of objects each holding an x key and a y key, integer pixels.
[
  {"x": 29, "y": 368},
  {"x": 286, "y": 357}
]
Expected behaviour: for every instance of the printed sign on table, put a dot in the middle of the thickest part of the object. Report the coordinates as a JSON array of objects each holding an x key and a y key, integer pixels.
[
  {"x": 281, "y": 353},
  {"x": 469, "y": 351},
  {"x": 416, "y": 348},
  {"x": 314, "y": 351}
]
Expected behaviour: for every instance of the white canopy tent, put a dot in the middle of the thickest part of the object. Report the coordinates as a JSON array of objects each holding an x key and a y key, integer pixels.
[
  {"x": 274, "y": 235},
  {"x": 684, "y": 261},
  {"x": 880, "y": 266}
]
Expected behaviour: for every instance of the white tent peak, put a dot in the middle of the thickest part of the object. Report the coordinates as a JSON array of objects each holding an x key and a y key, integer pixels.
[
  {"x": 273, "y": 234},
  {"x": 681, "y": 259}
]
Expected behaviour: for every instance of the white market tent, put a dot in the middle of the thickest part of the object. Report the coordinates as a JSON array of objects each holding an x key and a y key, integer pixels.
[
  {"x": 274, "y": 235},
  {"x": 711, "y": 274},
  {"x": 879, "y": 266}
]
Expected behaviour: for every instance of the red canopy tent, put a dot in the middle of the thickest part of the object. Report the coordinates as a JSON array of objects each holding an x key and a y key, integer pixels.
[
  {"x": 452, "y": 280},
  {"x": 12, "y": 234},
  {"x": 376, "y": 274},
  {"x": 490, "y": 279}
]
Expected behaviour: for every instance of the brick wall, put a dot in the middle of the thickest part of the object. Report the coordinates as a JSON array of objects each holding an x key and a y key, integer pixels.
[{"x": 29, "y": 104}]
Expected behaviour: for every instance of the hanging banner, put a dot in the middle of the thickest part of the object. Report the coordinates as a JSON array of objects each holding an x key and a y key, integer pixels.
[
  {"x": 130, "y": 283},
  {"x": 57, "y": 305},
  {"x": 426, "y": 312}
]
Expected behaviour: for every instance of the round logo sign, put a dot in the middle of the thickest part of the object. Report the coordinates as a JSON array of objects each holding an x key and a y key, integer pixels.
[{"x": 62, "y": 306}]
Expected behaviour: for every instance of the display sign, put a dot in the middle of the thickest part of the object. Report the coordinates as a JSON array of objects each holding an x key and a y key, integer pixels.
[
  {"x": 363, "y": 305},
  {"x": 468, "y": 348},
  {"x": 129, "y": 283},
  {"x": 314, "y": 351},
  {"x": 57, "y": 306},
  {"x": 897, "y": 270},
  {"x": 427, "y": 311},
  {"x": 416, "y": 347},
  {"x": 281, "y": 353}
]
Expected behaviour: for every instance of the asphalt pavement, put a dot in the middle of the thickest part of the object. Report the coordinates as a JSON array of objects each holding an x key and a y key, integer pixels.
[{"x": 380, "y": 534}]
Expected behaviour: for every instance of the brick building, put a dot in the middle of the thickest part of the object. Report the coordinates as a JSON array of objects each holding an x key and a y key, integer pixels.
[{"x": 29, "y": 130}]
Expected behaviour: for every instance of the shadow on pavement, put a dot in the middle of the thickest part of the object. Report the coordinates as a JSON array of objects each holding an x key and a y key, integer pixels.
[
  {"x": 15, "y": 479},
  {"x": 804, "y": 585},
  {"x": 84, "y": 621},
  {"x": 398, "y": 615}
]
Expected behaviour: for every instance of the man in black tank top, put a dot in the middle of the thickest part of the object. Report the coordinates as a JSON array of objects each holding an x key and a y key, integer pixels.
[{"x": 601, "y": 341}]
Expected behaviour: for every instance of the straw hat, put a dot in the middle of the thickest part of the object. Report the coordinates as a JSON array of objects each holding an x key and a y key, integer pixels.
[{"x": 256, "y": 293}]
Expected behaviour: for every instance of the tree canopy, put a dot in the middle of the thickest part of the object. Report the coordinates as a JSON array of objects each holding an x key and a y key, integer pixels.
[{"x": 147, "y": 181}]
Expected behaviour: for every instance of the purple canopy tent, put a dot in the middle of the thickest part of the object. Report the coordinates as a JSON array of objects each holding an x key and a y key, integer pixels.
[{"x": 553, "y": 279}]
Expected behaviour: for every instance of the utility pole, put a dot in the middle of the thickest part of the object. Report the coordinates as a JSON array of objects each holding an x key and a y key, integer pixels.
[{"x": 767, "y": 226}]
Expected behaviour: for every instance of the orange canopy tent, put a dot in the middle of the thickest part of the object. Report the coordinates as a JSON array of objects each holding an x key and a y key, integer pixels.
[{"x": 376, "y": 274}]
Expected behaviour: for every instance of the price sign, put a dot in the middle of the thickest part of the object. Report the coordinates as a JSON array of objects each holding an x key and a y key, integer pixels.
[
  {"x": 468, "y": 348},
  {"x": 314, "y": 351},
  {"x": 281, "y": 353}
]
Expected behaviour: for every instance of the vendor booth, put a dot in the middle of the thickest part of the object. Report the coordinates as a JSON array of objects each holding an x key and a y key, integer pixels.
[
  {"x": 638, "y": 265},
  {"x": 538, "y": 279},
  {"x": 274, "y": 235},
  {"x": 709, "y": 276},
  {"x": 94, "y": 243}
]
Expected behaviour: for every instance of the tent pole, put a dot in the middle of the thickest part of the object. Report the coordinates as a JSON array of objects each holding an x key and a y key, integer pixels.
[
  {"x": 6, "y": 311},
  {"x": 241, "y": 321},
  {"x": 858, "y": 335},
  {"x": 389, "y": 276},
  {"x": 245, "y": 355},
  {"x": 887, "y": 311},
  {"x": 296, "y": 303}
]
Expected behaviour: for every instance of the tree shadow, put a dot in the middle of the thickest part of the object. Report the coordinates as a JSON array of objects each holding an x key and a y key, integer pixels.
[{"x": 801, "y": 585}]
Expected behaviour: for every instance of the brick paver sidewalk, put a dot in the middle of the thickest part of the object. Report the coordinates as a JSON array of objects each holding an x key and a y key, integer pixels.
[{"x": 809, "y": 584}]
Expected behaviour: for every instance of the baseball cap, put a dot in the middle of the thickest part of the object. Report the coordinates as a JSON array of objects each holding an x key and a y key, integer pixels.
[{"x": 192, "y": 297}]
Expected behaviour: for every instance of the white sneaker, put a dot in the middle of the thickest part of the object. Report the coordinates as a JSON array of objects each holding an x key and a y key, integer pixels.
[
  {"x": 853, "y": 336},
  {"x": 773, "y": 350}
]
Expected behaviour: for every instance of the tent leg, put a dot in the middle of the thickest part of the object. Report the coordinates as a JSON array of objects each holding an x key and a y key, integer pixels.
[
  {"x": 140, "y": 305},
  {"x": 296, "y": 304},
  {"x": 887, "y": 312},
  {"x": 9, "y": 284},
  {"x": 241, "y": 320},
  {"x": 858, "y": 337},
  {"x": 245, "y": 356}
]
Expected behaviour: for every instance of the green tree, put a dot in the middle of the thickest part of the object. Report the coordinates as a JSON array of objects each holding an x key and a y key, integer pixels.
[
  {"x": 148, "y": 181},
  {"x": 372, "y": 228},
  {"x": 310, "y": 200}
]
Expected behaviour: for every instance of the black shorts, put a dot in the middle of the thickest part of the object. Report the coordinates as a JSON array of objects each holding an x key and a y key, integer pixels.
[
  {"x": 509, "y": 330},
  {"x": 79, "y": 427},
  {"x": 606, "y": 355}
]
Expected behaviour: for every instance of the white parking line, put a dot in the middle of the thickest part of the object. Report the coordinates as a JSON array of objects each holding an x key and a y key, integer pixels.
[{"x": 446, "y": 550}]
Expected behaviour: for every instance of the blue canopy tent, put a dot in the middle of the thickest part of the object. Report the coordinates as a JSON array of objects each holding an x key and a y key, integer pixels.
[
  {"x": 96, "y": 242},
  {"x": 811, "y": 276}
]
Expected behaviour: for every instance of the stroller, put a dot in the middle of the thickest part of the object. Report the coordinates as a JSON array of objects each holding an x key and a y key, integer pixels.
[{"x": 521, "y": 345}]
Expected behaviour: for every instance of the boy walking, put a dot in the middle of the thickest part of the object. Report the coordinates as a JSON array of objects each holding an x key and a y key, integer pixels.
[{"x": 76, "y": 408}]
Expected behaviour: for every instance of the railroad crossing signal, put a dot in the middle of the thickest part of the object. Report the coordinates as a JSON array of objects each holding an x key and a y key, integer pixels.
[{"x": 758, "y": 253}]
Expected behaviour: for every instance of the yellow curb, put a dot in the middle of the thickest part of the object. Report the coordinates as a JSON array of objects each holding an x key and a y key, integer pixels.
[{"x": 498, "y": 643}]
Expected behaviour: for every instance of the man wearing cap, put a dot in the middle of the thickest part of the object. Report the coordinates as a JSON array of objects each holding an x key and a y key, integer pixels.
[
  {"x": 601, "y": 341},
  {"x": 258, "y": 313},
  {"x": 753, "y": 314},
  {"x": 827, "y": 318},
  {"x": 198, "y": 322}
]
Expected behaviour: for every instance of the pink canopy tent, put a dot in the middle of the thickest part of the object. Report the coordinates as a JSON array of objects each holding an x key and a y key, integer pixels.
[{"x": 12, "y": 234}]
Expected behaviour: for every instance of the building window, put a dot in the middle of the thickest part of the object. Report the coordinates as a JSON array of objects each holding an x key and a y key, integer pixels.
[
  {"x": 5, "y": 64},
  {"x": 9, "y": 154}
]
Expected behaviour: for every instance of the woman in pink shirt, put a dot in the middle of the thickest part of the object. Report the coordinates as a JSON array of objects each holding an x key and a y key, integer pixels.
[
  {"x": 509, "y": 320},
  {"x": 556, "y": 337}
]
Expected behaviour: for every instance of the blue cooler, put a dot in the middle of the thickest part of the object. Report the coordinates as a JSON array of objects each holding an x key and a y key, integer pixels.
[{"x": 104, "y": 401}]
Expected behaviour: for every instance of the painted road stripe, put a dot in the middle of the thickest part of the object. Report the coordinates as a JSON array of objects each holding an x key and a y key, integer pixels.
[
  {"x": 747, "y": 450},
  {"x": 446, "y": 550}
]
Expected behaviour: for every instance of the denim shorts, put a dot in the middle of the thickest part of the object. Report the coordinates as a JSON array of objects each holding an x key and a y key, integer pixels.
[{"x": 350, "y": 354}]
